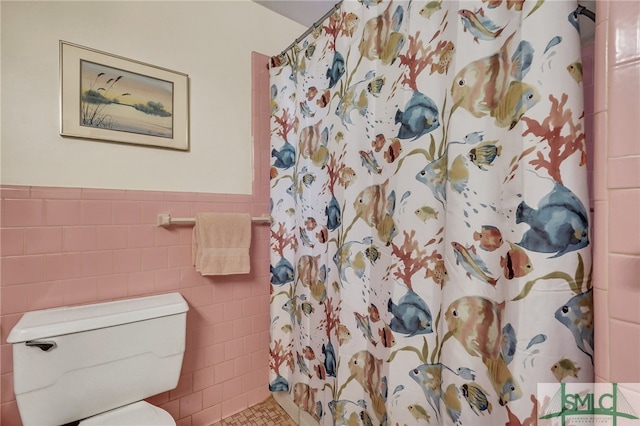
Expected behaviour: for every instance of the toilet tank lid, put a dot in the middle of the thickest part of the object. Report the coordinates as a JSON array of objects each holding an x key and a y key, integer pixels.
[{"x": 74, "y": 319}]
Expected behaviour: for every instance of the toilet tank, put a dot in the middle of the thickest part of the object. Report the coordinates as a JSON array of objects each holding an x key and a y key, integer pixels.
[{"x": 70, "y": 363}]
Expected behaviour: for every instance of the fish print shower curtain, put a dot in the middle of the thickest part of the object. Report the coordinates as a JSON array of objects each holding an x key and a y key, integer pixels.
[{"x": 430, "y": 258}]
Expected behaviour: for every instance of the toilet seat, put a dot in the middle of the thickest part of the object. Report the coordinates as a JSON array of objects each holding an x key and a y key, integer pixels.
[{"x": 139, "y": 413}]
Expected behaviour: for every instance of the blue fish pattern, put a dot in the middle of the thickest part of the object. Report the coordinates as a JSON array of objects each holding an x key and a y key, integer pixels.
[
  {"x": 509, "y": 343},
  {"x": 411, "y": 315},
  {"x": 279, "y": 384},
  {"x": 577, "y": 316},
  {"x": 337, "y": 69},
  {"x": 480, "y": 26},
  {"x": 522, "y": 59},
  {"x": 420, "y": 116},
  {"x": 429, "y": 378},
  {"x": 466, "y": 373},
  {"x": 429, "y": 233},
  {"x": 369, "y": 162},
  {"x": 282, "y": 273},
  {"x": 477, "y": 398},
  {"x": 284, "y": 157},
  {"x": 559, "y": 225},
  {"x": 329, "y": 359},
  {"x": 434, "y": 175},
  {"x": 333, "y": 214}
]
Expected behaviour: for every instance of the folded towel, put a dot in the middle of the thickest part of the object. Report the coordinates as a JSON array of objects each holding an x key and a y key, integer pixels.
[{"x": 221, "y": 243}]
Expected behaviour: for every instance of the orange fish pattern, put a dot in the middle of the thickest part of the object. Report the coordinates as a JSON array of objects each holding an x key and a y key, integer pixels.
[{"x": 429, "y": 235}]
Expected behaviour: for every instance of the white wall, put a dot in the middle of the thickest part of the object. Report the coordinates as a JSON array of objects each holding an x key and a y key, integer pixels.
[{"x": 211, "y": 41}]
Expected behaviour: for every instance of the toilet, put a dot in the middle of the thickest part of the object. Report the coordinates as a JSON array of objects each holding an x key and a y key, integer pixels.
[{"x": 95, "y": 364}]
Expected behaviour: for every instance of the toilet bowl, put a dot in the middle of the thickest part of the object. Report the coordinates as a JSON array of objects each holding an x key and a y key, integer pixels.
[
  {"x": 97, "y": 363},
  {"x": 139, "y": 413}
]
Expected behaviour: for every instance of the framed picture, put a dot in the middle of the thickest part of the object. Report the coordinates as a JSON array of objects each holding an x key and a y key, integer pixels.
[{"x": 110, "y": 98}]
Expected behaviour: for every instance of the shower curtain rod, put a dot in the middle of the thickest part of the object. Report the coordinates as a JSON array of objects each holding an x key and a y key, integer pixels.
[
  {"x": 313, "y": 27},
  {"x": 580, "y": 10}
]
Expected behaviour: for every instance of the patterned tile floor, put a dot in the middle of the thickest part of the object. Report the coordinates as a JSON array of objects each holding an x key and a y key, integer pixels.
[{"x": 267, "y": 413}]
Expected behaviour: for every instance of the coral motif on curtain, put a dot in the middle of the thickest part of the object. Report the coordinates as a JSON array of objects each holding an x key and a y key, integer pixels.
[{"x": 430, "y": 256}]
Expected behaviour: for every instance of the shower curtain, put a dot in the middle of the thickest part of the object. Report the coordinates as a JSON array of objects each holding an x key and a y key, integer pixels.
[{"x": 430, "y": 258}]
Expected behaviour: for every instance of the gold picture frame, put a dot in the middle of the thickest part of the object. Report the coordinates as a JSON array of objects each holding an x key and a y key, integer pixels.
[{"x": 106, "y": 97}]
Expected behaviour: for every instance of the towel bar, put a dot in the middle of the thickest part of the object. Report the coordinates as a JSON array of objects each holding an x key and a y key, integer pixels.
[{"x": 165, "y": 219}]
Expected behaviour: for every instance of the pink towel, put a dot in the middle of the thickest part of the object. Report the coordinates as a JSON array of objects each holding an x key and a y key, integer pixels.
[{"x": 221, "y": 243}]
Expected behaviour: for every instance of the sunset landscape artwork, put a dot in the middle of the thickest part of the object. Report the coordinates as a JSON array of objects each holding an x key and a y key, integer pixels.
[
  {"x": 110, "y": 98},
  {"x": 119, "y": 100}
]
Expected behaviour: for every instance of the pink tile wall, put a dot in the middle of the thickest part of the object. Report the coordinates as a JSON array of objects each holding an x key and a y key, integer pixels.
[
  {"x": 65, "y": 246},
  {"x": 617, "y": 191}
]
